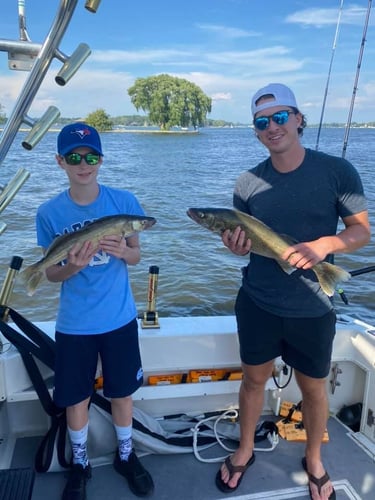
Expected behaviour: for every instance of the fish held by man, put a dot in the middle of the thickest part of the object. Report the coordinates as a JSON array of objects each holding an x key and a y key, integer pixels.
[
  {"x": 265, "y": 242},
  {"x": 122, "y": 224}
]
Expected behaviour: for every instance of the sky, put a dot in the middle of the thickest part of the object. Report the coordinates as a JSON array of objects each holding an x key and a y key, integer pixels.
[{"x": 229, "y": 48}]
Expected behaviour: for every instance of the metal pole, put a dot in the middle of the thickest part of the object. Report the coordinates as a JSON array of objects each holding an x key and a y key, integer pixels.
[
  {"x": 37, "y": 74},
  {"x": 349, "y": 122},
  {"x": 329, "y": 75}
]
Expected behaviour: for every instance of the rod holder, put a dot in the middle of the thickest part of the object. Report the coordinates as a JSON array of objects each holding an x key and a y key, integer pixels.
[
  {"x": 92, "y": 5},
  {"x": 7, "y": 288},
  {"x": 12, "y": 188},
  {"x": 40, "y": 127},
  {"x": 150, "y": 317},
  {"x": 72, "y": 63}
]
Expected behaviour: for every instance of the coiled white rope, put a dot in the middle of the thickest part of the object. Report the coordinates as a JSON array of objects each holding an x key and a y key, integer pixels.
[{"x": 227, "y": 415}]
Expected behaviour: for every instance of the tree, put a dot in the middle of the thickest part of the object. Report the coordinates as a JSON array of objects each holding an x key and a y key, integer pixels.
[
  {"x": 100, "y": 120},
  {"x": 3, "y": 118},
  {"x": 170, "y": 101}
]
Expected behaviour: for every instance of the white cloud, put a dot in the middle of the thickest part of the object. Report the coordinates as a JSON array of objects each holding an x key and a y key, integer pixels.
[
  {"x": 10, "y": 87},
  {"x": 227, "y": 31},
  {"x": 354, "y": 15},
  {"x": 87, "y": 91},
  {"x": 122, "y": 57},
  {"x": 222, "y": 96}
]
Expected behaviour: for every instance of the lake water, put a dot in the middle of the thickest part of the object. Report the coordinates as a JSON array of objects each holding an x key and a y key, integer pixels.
[{"x": 168, "y": 174}]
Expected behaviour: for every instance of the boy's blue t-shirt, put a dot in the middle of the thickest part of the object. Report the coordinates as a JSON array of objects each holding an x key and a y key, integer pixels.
[{"x": 99, "y": 298}]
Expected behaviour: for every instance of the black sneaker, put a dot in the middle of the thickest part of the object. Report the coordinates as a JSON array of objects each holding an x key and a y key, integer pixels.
[
  {"x": 75, "y": 488},
  {"x": 139, "y": 480}
]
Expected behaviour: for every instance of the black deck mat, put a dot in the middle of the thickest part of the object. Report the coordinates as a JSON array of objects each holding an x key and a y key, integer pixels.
[{"x": 16, "y": 484}]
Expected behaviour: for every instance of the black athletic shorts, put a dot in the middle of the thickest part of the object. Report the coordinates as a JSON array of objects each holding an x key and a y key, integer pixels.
[
  {"x": 77, "y": 360},
  {"x": 303, "y": 343}
]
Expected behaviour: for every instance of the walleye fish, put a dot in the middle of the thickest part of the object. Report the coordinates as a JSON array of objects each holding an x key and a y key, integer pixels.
[
  {"x": 123, "y": 224},
  {"x": 265, "y": 242}
]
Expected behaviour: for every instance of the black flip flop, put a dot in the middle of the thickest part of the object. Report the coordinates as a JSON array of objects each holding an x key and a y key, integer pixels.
[
  {"x": 319, "y": 482},
  {"x": 232, "y": 469}
]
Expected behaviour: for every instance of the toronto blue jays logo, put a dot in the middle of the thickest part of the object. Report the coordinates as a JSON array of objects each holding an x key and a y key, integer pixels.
[{"x": 81, "y": 132}]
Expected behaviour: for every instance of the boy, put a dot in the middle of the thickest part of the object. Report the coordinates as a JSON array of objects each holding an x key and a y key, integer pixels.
[{"x": 97, "y": 313}]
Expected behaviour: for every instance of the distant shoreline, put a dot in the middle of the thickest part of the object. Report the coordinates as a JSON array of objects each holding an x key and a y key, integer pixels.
[
  {"x": 146, "y": 130},
  {"x": 132, "y": 131}
]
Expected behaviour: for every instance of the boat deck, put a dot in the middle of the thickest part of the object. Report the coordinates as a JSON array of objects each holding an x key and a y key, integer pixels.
[
  {"x": 349, "y": 457},
  {"x": 275, "y": 475}
]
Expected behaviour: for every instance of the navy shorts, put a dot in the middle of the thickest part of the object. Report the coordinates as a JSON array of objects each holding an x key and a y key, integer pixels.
[
  {"x": 77, "y": 359},
  {"x": 303, "y": 343}
]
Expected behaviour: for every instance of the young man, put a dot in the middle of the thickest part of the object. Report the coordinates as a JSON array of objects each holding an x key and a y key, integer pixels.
[
  {"x": 97, "y": 313},
  {"x": 300, "y": 193}
]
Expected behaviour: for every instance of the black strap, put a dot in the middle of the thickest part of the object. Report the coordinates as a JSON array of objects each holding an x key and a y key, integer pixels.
[
  {"x": 34, "y": 343},
  {"x": 41, "y": 347},
  {"x": 295, "y": 407},
  {"x": 34, "y": 339},
  {"x": 55, "y": 434}
]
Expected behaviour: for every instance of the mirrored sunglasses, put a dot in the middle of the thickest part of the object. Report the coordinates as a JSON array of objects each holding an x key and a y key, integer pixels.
[
  {"x": 280, "y": 117},
  {"x": 76, "y": 158}
]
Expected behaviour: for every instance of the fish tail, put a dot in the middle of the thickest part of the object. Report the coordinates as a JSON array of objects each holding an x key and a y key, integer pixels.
[
  {"x": 31, "y": 276},
  {"x": 329, "y": 276}
]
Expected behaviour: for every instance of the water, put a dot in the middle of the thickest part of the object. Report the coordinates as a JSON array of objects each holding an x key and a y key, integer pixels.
[{"x": 168, "y": 174}]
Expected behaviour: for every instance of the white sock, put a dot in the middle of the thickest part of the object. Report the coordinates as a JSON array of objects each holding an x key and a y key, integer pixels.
[
  {"x": 78, "y": 441},
  {"x": 125, "y": 442}
]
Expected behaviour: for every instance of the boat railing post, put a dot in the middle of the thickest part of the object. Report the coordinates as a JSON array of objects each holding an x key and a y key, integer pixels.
[
  {"x": 7, "y": 288},
  {"x": 92, "y": 5},
  {"x": 150, "y": 317}
]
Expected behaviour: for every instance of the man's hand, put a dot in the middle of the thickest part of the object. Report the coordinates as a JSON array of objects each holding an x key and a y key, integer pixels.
[
  {"x": 236, "y": 241},
  {"x": 305, "y": 255}
]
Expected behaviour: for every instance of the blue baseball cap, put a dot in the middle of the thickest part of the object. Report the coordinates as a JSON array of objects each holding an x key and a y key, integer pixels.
[{"x": 76, "y": 135}]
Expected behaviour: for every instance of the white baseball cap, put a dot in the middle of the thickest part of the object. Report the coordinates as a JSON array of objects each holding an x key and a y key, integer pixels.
[{"x": 282, "y": 94}]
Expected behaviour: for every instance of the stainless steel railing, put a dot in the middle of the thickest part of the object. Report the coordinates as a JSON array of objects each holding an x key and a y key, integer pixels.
[{"x": 37, "y": 58}]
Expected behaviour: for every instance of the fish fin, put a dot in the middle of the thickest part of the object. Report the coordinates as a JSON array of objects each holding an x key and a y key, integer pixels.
[
  {"x": 286, "y": 267},
  {"x": 329, "y": 275},
  {"x": 31, "y": 276}
]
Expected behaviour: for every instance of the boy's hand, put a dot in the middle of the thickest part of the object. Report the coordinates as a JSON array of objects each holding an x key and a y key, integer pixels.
[
  {"x": 81, "y": 254},
  {"x": 114, "y": 245}
]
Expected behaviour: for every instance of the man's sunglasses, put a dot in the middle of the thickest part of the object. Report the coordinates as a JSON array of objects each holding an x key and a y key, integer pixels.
[
  {"x": 280, "y": 117},
  {"x": 76, "y": 158}
]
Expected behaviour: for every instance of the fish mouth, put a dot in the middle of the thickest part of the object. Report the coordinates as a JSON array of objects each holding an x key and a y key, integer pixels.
[
  {"x": 149, "y": 222},
  {"x": 193, "y": 214}
]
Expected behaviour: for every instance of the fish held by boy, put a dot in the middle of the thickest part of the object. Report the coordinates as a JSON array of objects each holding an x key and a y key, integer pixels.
[
  {"x": 265, "y": 242},
  {"x": 122, "y": 224}
]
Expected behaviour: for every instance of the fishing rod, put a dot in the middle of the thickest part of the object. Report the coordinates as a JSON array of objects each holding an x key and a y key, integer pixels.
[
  {"x": 22, "y": 21},
  {"x": 363, "y": 270},
  {"x": 329, "y": 75},
  {"x": 356, "y": 272},
  {"x": 348, "y": 124}
]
